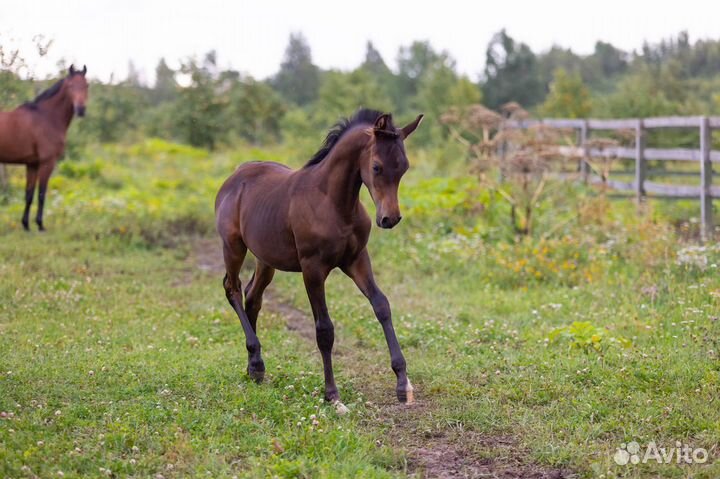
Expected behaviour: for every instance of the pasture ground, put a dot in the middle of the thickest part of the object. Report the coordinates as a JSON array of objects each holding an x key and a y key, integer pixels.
[{"x": 534, "y": 358}]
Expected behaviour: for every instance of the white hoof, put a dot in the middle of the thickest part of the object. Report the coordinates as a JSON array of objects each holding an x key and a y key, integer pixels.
[
  {"x": 340, "y": 408},
  {"x": 409, "y": 393}
]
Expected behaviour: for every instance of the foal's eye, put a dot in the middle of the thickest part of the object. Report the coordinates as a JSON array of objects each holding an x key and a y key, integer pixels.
[{"x": 377, "y": 169}]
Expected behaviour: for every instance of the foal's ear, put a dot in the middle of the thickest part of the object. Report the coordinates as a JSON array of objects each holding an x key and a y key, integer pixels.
[
  {"x": 84, "y": 70},
  {"x": 383, "y": 123},
  {"x": 410, "y": 127},
  {"x": 71, "y": 70}
]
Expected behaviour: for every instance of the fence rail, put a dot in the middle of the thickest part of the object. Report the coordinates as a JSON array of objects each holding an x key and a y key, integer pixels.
[{"x": 704, "y": 154}]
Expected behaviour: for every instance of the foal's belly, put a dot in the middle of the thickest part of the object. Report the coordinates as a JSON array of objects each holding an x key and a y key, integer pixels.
[
  {"x": 265, "y": 233},
  {"x": 274, "y": 250}
]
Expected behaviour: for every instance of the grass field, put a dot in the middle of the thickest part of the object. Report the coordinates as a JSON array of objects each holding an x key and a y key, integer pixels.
[{"x": 535, "y": 358}]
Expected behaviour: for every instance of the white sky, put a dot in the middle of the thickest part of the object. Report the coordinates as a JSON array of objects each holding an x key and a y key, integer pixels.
[{"x": 251, "y": 36}]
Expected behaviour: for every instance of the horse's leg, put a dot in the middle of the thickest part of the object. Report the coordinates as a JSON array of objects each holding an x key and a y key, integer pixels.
[
  {"x": 361, "y": 273},
  {"x": 46, "y": 170},
  {"x": 314, "y": 279},
  {"x": 234, "y": 256},
  {"x": 31, "y": 174},
  {"x": 261, "y": 278}
]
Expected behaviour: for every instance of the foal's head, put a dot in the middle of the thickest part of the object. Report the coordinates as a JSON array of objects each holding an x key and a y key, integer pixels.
[
  {"x": 77, "y": 89},
  {"x": 384, "y": 165}
]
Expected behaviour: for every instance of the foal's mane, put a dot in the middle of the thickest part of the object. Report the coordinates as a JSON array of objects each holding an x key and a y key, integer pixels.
[
  {"x": 362, "y": 116},
  {"x": 45, "y": 95}
]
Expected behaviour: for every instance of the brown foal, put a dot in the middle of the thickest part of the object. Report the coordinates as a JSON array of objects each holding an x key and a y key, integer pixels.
[
  {"x": 34, "y": 134},
  {"x": 312, "y": 221}
]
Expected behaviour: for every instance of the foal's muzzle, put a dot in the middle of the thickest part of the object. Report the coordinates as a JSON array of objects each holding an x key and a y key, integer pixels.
[
  {"x": 80, "y": 110},
  {"x": 388, "y": 222}
]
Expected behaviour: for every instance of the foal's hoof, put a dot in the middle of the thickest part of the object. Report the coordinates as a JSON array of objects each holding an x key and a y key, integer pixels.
[
  {"x": 340, "y": 408},
  {"x": 406, "y": 395},
  {"x": 257, "y": 373}
]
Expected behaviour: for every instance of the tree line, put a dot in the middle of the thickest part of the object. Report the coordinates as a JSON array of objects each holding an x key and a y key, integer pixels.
[{"x": 204, "y": 105}]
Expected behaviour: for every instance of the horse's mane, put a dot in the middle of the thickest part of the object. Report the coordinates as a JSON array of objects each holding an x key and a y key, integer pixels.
[
  {"x": 45, "y": 95},
  {"x": 362, "y": 116}
]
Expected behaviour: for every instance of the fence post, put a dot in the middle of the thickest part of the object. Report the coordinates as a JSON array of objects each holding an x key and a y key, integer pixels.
[
  {"x": 705, "y": 179},
  {"x": 640, "y": 166},
  {"x": 582, "y": 143}
]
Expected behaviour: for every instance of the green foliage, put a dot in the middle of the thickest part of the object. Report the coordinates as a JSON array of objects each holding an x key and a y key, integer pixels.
[
  {"x": 298, "y": 80},
  {"x": 511, "y": 73},
  {"x": 414, "y": 62},
  {"x": 584, "y": 335},
  {"x": 254, "y": 112},
  {"x": 13, "y": 91},
  {"x": 219, "y": 108},
  {"x": 440, "y": 90},
  {"x": 637, "y": 96},
  {"x": 568, "y": 97},
  {"x": 116, "y": 112},
  {"x": 343, "y": 93},
  {"x": 198, "y": 112},
  {"x": 166, "y": 86}
]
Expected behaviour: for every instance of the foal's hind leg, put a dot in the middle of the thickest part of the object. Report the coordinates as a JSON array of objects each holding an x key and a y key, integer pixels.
[
  {"x": 46, "y": 170},
  {"x": 31, "y": 175},
  {"x": 234, "y": 256},
  {"x": 261, "y": 278}
]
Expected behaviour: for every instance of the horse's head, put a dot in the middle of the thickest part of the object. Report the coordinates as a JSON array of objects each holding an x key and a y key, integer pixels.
[
  {"x": 77, "y": 89},
  {"x": 384, "y": 166}
]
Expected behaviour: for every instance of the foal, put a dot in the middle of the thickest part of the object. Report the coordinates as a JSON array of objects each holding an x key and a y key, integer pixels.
[
  {"x": 312, "y": 221},
  {"x": 34, "y": 134}
]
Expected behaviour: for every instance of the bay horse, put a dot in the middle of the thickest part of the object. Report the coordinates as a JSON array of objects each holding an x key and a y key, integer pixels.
[
  {"x": 34, "y": 134},
  {"x": 311, "y": 221}
]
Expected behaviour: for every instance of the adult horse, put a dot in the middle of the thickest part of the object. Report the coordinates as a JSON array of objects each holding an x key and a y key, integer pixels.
[
  {"x": 312, "y": 221},
  {"x": 34, "y": 134}
]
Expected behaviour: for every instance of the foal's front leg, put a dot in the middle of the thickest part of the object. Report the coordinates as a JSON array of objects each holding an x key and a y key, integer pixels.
[
  {"x": 360, "y": 270},
  {"x": 314, "y": 279}
]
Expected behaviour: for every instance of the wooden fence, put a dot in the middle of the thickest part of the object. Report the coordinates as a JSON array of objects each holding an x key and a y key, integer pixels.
[{"x": 704, "y": 154}]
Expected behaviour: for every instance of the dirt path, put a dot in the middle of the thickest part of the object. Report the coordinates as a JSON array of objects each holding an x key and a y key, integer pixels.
[{"x": 431, "y": 454}]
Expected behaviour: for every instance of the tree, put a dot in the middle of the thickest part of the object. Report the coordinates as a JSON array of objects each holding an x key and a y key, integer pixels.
[
  {"x": 115, "y": 113},
  {"x": 511, "y": 73},
  {"x": 376, "y": 67},
  {"x": 557, "y": 57},
  {"x": 440, "y": 90},
  {"x": 165, "y": 83},
  {"x": 197, "y": 114},
  {"x": 133, "y": 75},
  {"x": 298, "y": 79},
  {"x": 15, "y": 78},
  {"x": 640, "y": 95},
  {"x": 255, "y": 111},
  {"x": 374, "y": 63},
  {"x": 343, "y": 93},
  {"x": 568, "y": 97},
  {"x": 414, "y": 63}
]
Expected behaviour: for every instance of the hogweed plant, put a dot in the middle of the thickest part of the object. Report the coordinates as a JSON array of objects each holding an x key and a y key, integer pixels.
[{"x": 516, "y": 163}]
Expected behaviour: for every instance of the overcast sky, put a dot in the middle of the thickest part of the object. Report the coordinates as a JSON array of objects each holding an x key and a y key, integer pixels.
[{"x": 251, "y": 36}]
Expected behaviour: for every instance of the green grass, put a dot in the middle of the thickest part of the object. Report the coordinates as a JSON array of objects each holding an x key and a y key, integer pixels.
[{"x": 119, "y": 354}]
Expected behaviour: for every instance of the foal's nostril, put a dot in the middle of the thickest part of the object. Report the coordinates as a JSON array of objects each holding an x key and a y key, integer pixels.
[{"x": 385, "y": 222}]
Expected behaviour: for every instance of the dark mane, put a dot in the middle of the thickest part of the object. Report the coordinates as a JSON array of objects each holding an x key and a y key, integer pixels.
[
  {"x": 362, "y": 116},
  {"x": 46, "y": 95}
]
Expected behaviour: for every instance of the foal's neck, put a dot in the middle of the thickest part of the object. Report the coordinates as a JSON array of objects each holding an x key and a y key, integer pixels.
[
  {"x": 339, "y": 172},
  {"x": 59, "y": 109}
]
